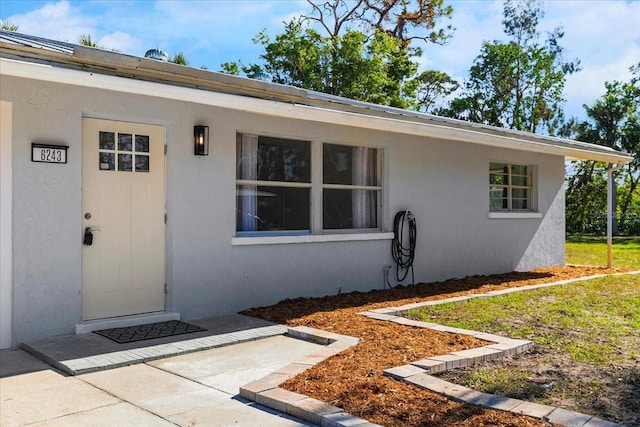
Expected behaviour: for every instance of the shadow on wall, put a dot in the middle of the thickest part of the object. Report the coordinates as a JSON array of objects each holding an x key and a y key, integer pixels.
[{"x": 546, "y": 245}]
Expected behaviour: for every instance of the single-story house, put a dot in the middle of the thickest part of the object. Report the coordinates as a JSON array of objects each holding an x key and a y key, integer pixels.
[{"x": 135, "y": 190}]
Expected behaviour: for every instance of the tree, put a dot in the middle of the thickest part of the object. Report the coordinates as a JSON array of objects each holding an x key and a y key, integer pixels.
[
  {"x": 351, "y": 65},
  {"x": 517, "y": 84},
  {"x": 393, "y": 17},
  {"x": 613, "y": 121},
  {"x": 433, "y": 86},
  {"x": 374, "y": 63}
]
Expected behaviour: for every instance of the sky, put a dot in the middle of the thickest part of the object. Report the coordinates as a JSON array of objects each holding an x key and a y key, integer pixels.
[{"x": 603, "y": 34}]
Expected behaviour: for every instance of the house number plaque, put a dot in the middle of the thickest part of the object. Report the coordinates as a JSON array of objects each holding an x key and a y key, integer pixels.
[{"x": 45, "y": 153}]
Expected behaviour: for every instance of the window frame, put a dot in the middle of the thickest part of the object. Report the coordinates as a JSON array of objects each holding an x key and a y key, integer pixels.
[
  {"x": 379, "y": 189},
  {"x": 278, "y": 184},
  {"x": 510, "y": 211},
  {"x": 316, "y": 188}
]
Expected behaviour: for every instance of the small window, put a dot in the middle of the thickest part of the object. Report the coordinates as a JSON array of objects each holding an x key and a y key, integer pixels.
[
  {"x": 510, "y": 187},
  {"x": 352, "y": 187},
  {"x": 121, "y": 156},
  {"x": 273, "y": 184}
]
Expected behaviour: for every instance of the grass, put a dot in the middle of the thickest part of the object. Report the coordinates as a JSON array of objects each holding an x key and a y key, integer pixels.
[
  {"x": 593, "y": 323},
  {"x": 593, "y": 251}
]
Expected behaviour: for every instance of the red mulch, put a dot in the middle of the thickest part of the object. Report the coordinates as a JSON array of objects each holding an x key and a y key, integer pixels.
[{"x": 353, "y": 379}]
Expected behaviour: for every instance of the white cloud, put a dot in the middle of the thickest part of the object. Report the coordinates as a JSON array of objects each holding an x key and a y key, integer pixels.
[
  {"x": 122, "y": 42},
  {"x": 475, "y": 22},
  {"x": 604, "y": 36},
  {"x": 56, "y": 20}
]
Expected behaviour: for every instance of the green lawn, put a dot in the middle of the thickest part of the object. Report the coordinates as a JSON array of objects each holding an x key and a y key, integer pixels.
[
  {"x": 602, "y": 315},
  {"x": 587, "y": 352},
  {"x": 593, "y": 251}
]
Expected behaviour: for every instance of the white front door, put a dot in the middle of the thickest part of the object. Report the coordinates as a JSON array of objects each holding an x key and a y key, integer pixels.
[{"x": 123, "y": 205}]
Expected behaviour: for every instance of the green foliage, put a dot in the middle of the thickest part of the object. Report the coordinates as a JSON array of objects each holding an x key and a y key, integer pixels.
[
  {"x": 179, "y": 59},
  {"x": 516, "y": 84},
  {"x": 613, "y": 121},
  {"x": 431, "y": 86},
  {"x": 374, "y": 63},
  {"x": 86, "y": 40},
  {"x": 374, "y": 69},
  {"x": 8, "y": 26}
]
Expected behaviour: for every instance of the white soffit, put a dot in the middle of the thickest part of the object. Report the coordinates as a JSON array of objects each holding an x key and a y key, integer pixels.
[{"x": 389, "y": 123}]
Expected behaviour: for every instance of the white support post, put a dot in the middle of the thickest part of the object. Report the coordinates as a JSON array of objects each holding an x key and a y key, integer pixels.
[{"x": 610, "y": 213}]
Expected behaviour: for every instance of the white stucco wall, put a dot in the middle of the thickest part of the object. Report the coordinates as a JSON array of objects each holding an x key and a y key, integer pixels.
[
  {"x": 6, "y": 236},
  {"x": 445, "y": 184}
]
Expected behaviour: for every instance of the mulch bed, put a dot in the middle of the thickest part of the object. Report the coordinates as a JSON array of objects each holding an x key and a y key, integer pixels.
[{"x": 353, "y": 379}]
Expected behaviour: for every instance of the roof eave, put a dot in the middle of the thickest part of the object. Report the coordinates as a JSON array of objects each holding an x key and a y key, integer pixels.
[{"x": 117, "y": 64}]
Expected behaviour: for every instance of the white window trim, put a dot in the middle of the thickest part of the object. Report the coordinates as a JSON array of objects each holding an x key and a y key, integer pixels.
[
  {"x": 317, "y": 233},
  {"x": 309, "y": 238},
  {"x": 533, "y": 200},
  {"x": 514, "y": 215}
]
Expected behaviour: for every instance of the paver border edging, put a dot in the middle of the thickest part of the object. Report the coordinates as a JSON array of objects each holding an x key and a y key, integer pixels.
[
  {"x": 418, "y": 373},
  {"x": 266, "y": 391}
]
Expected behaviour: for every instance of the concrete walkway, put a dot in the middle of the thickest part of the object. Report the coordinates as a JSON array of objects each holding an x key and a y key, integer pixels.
[
  {"x": 84, "y": 353},
  {"x": 192, "y": 389}
]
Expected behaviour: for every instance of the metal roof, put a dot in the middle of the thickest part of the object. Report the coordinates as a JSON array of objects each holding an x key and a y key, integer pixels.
[
  {"x": 36, "y": 42},
  {"x": 67, "y": 55}
]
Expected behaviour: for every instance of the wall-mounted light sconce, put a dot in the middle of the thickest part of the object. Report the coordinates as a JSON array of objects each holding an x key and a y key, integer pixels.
[{"x": 201, "y": 140}]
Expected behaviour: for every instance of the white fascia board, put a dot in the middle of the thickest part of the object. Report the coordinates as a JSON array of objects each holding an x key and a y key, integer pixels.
[{"x": 298, "y": 111}]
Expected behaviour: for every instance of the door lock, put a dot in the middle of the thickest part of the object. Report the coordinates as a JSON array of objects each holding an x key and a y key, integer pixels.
[{"x": 88, "y": 235}]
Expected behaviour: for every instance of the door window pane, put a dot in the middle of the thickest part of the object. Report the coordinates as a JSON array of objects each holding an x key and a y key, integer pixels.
[
  {"x": 107, "y": 161},
  {"x": 142, "y": 163},
  {"x": 107, "y": 140},
  {"x": 124, "y": 162},
  {"x": 142, "y": 143},
  {"x": 124, "y": 142}
]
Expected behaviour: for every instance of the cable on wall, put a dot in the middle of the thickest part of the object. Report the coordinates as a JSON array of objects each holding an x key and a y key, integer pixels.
[{"x": 403, "y": 245}]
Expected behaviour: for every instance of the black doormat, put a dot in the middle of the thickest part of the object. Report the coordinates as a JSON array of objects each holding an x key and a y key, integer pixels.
[{"x": 149, "y": 331}]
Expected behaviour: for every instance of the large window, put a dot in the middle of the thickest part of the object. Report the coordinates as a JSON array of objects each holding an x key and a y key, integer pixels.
[
  {"x": 273, "y": 186},
  {"x": 510, "y": 187},
  {"x": 275, "y": 192},
  {"x": 351, "y": 187}
]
